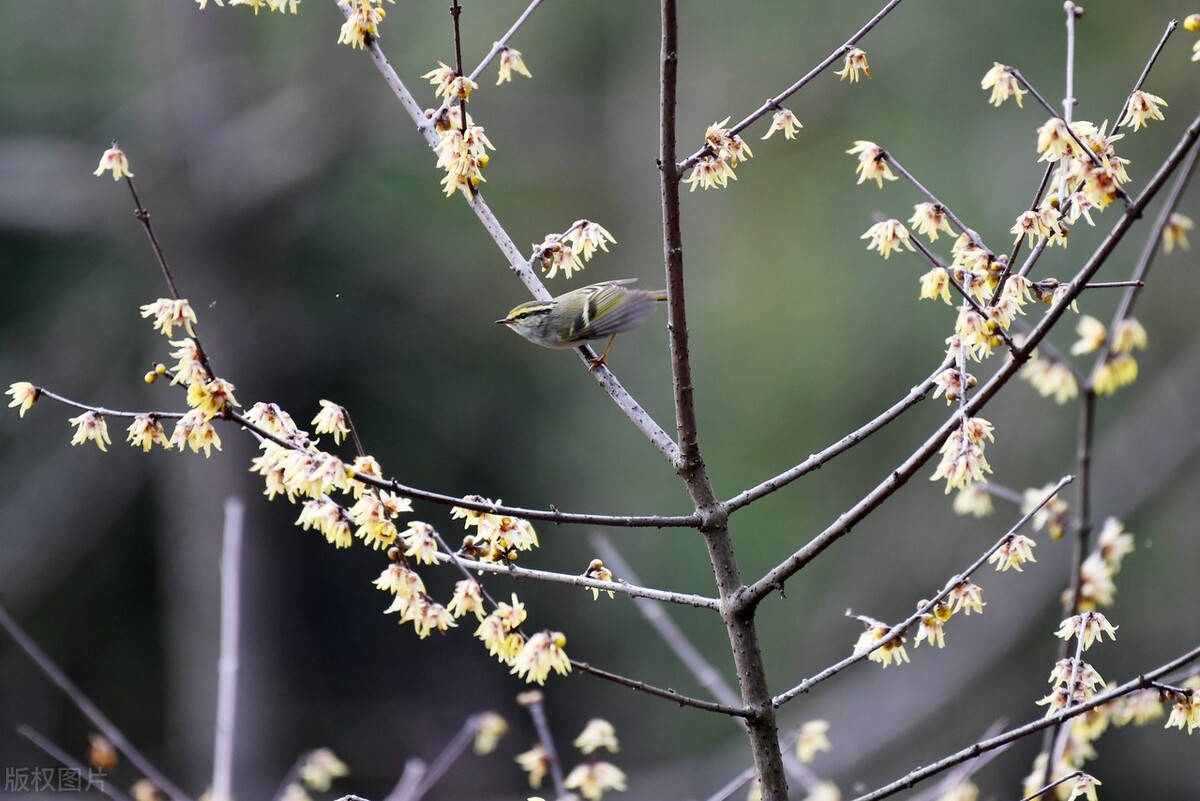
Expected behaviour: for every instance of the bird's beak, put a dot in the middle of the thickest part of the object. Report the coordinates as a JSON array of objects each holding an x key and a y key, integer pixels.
[{"x": 502, "y": 322}]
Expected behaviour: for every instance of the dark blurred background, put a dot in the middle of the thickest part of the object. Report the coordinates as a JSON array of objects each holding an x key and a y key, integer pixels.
[{"x": 303, "y": 219}]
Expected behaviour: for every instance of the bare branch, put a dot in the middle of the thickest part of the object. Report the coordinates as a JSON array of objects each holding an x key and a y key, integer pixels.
[
  {"x": 228, "y": 662},
  {"x": 822, "y": 457},
  {"x": 62, "y": 757},
  {"x": 683, "y": 599},
  {"x": 89, "y": 710}
]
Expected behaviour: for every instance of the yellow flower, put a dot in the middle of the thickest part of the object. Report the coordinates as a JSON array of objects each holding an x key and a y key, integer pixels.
[
  {"x": 1016, "y": 551},
  {"x": 872, "y": 164},
  {"x": 585, "y": 237},
  {"x": 90, "y": 426},
  {"x": 542, "y": 653},
  {"x": 1186, "y": 712},
  {"x": 593, "y": 778},
  {"x": 420, "y": 543},
  {"x": 1141, "y": 108},
  {"x": 1089, "y": 627},
  {"x": 596, "y": 570},
  {"x": 212, "y": 397},
  {"x": 1092, "y": 335},
  {"x": 426, "y": 616},
  {"x": 195, "y": 429},
  {"x": 1129, "y": 335},
  {"x": 144, "y": 431},
  {"x": 468, "y": 597},
  {"x": 1003, "y": 84},
  {"x": 824, "y": 791},
  {"x": 510, "y": 62},
  {"x": 320, "y": 768},
  {"x": 784, "y": 120},
  {"x": 1051, "y": 377},
  {"x": 928, "y": 219},
  {"x": 1175, "y": 232},
  {"x": 597, "y": 734},
  {"x": 362, "y": 21},
  {"x": 536, "y": 763},
  {"x": 168, "y": 313},
  {"x": 887, "y": 236},
  {"x": 935, "y": 284},
  {"x": 331, "y": 420},
  {"x": 115, "y": 160},
  {"x": 974, "y": 500},
  {"x": 1119, "y": 370},
  {"x": 811, "y": 739},
  {"x": 855, "y": 62},
  {"x": 489, "y": 728},
  {"x": 966, "y": 597},
  {"x": 24, "y": 396}
]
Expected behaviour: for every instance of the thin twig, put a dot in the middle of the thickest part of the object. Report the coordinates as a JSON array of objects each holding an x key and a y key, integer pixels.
[
  {"x": 962, "y": 227},
  {"x": 89, "y": 710},
  {"x": 229, "y": 661},
  {"x": 822, "y": 457},
  {"x": 923, "y": 609},
  {"x": 537, "y": 712},
  {"x": 659, "y": 692},
  {"x": 1016, "y": 248},
  {"x": 143, "y": 216},
  {"x": 62, "y": 757},
  {"x": 634, "y": 591},
  {"x": 773, "y": 103},
  {"x": 503, "y": 41},
  {"x": 1052, "y": 785},
  {"x": 410, "y": 779},
  {"x": 552, "y": 515},
  {"x": 437, "y": 769},
  {"x": 103, "y": 411},
  {"x": 740, "y": 626},
  {"x": 1012, "y": 735},
  {"x": 1162, "y": 42}
]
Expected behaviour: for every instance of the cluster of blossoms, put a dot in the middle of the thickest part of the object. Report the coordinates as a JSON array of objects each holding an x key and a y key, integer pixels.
[
  {"x": 362, "y": 20},
  {"x": 591, "y": 778},
  {"x": 722, "y": 153},
  {"x": 569, "y": 250},
  {"x": 498, "y": 538},
  {"x": 300, "y": 470},
  {"x": 462, "y": 147},
  {"x": 1074, "y": 681},
  {"x": 962, "y": 595},
  {"x": 1119, "y": 368},
  {"x": 963, "y": 462}
]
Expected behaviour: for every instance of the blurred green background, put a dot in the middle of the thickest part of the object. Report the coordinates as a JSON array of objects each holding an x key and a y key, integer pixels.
[{"x": 303, "y": 219}]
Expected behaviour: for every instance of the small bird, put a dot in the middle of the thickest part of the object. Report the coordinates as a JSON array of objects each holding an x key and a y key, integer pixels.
[{"x": 591, "y": 312}]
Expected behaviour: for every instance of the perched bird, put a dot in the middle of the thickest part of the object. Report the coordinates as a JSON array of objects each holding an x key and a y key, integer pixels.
[{"x": 591, "y": 312}]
